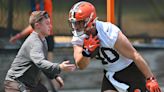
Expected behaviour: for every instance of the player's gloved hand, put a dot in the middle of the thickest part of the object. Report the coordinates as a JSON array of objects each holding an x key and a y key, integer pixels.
[
  {"x": 152, "y": 85},
  {"x": 90, "y": 45}
]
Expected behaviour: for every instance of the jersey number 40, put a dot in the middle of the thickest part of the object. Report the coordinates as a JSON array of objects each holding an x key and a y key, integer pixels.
[{"x": 107, "y": 55}]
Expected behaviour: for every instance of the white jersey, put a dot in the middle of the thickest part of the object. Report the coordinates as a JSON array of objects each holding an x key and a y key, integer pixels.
[
  {"x": 107, "y": 34},
  {"x": 111, "y": 59}
]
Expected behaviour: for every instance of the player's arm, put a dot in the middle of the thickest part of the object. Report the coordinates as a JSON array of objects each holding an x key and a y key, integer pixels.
[
  {"x": 21, "y": 35},
  {"x": 83, "y": 53},
  {"x": 81, "y": 61},
  {"x": 124, "y": 47},
  {"x": 26, "y": 31}
]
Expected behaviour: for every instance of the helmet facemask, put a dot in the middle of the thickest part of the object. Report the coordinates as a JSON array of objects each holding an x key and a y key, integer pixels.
[
  {"x": 80, "y": 27},
  {"x": 81, "y": 18}
]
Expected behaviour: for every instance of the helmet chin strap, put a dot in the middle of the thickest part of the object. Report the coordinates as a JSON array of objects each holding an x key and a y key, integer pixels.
[{"x": 92, "y": 31}]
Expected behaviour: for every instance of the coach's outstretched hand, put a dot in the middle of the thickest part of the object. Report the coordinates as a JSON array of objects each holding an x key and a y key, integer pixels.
[
  {"x": 66, "y": 66},
  {"x": 152, "y": 85}
]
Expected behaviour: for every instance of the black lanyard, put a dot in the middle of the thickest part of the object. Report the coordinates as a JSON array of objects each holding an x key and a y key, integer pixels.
[{"x": 45, "y": 47}]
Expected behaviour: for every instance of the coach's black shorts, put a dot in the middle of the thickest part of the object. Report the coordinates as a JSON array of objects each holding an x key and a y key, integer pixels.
[
  {"x": 50, "y": 42},
  {"x": 130, "y": 75}
]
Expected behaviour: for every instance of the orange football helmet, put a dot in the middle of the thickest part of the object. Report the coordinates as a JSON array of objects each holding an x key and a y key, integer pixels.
[{"x": 82, "y": 12}]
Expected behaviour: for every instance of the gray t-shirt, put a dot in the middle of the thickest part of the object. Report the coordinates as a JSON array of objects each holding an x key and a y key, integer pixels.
[{"x": 31, "y": 60}]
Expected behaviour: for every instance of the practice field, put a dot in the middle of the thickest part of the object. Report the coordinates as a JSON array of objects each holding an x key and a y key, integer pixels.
[
  {"x": 88, "y": 80},
  {"x": 139, "y": 17}
]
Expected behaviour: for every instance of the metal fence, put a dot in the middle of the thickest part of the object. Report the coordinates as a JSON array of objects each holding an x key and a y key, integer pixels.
[{"x": 137, "y": 18}]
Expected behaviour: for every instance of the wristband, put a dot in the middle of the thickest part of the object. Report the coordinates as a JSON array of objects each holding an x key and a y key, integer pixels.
[{"x": 86, "y": 53}]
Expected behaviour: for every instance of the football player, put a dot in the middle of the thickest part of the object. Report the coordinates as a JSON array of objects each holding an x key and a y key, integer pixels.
[{"x": 124, "y": 68}]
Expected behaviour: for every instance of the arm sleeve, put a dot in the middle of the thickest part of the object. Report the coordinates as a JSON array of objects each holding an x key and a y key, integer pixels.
[
  {"x": 78, "y": 40},
  {"x": 38, "y": 58}
]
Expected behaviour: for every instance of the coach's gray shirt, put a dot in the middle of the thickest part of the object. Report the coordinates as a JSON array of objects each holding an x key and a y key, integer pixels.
[{"x": 31, "y": 60}]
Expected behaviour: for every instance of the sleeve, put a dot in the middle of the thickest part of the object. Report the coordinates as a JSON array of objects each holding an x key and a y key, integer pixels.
[
  {"x": 112, "y": 33},
  {"x": 78, "y": 40},
  {"x": 38, "y": 58}
]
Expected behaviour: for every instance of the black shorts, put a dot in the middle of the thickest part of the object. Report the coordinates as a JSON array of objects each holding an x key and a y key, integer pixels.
[
  {"x": 50, "y": 42},
  {"x": 130, "y": 76}
]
